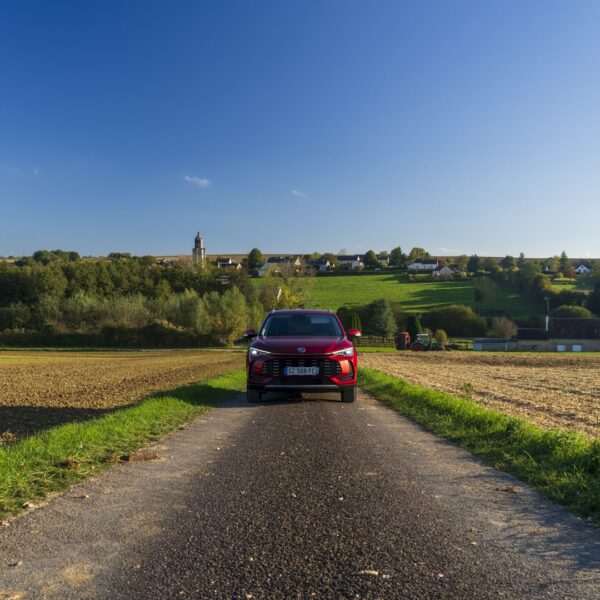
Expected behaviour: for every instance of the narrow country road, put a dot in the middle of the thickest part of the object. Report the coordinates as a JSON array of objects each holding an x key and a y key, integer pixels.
[{"x": 300, "y": 499}]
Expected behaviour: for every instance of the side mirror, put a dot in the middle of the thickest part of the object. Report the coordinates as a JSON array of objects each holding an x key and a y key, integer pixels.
[
  {"x": 250, "y": 334},
  {"x": 354, "y": 333}
]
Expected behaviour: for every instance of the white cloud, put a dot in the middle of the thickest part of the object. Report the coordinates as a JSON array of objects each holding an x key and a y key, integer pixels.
[
  {"x": 451, "y": 250},
  {"x": 199, "y": 181},
  {"x": 298, "y": 193}
]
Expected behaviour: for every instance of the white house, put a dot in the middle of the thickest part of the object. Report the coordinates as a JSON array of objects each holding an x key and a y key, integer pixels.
[
  {"x": 424, "y": 264},
  {"x": 322, "y": 265},
  {"x": 274, "y": 264},
  {"x": 355, "y": 261},
  {"x": 442, "y": 271},
  {"x": 583, "y": 270},
  {"x": 227, "y": 263}
]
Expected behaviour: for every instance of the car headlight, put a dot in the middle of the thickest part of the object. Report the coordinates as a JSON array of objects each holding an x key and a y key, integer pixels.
[
  {"x": 345, "y": 352},
  {"x": 255, "y": 353}
]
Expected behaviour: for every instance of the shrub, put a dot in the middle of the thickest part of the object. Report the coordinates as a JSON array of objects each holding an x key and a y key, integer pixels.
[
  {"x": 441, "y": 337},
  {"x": 572, "y": 312},
  {"x": 503, "y": 327},
  {"x": 456, "y": 320}
]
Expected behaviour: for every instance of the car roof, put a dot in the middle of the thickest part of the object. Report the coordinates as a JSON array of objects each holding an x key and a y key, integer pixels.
[{"x": 306, "y": 311}]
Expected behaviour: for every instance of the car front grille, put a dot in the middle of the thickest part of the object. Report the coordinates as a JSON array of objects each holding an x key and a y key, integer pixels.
[{"x": 274, "y": 367}]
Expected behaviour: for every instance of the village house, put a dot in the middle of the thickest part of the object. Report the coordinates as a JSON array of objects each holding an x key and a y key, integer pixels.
[
  {"x": 228, "y": 263},
  {"x": 424, "y": 264},
  {"x": 354, "y": 261},
  {"x": 274, "y": 264},
  {"x": 583, "y": 270},
  {"x": 322, "y": 265},
  {"x": 442, "y": 271}
]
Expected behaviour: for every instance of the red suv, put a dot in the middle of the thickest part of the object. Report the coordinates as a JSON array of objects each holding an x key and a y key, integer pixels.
[{"x": 301, "y": 351}]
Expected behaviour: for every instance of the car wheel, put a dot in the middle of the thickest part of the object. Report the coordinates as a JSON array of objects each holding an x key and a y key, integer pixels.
[
  {"x": 349, "y": 395},
  {"x": 253, "y": 396}
]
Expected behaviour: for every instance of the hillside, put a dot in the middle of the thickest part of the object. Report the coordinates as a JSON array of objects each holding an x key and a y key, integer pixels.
[{"x": 358, "y": 290}]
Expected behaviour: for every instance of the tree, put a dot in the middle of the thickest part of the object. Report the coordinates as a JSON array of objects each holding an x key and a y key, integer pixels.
[
  {"x": 461, "y": 262},
  {"x": 255, "y": 259},
  {"x": 370, "y": 260},
  {"x": 355, "y": 322},
  {"x": 521, "y": 262},
  {"x": 564, "y": 263},
  {"x": 457, "y": 321},
  {"x": 553, "y": 264},
  {"x": 474, "y": 264},
  {"x": 595, "y": 274},
  {"x": 489, "y": 265},
  {"x": 332, "y": 258},
  {"x": 503, "y": 327},
  {"x": 413, "y": 326},
  {"x": 417, "y": 253},
  {"x": 382, "y": 320},
  {"x": 508, "y": 262},
  {"x": 593, "y": 302},
  {"x": 397, "y": 258}
]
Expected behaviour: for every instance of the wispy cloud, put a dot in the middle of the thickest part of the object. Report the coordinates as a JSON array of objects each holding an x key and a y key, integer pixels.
[
  {"x": 199, "y": 181},
  {"x": 298, "y": 193},
  {"x": 451, "y": 250}
]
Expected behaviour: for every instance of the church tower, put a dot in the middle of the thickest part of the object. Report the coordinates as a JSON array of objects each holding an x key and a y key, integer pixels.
[{"x": 199, "y": 251}]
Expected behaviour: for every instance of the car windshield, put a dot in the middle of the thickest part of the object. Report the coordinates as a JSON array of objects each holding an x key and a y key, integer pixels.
[{"x": 294, "y": 325}]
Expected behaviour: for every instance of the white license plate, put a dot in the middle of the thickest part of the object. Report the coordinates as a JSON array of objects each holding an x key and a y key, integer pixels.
[{"x": 302, "y": 371}]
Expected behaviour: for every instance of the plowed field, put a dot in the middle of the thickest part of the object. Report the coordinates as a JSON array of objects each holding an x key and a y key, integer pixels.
[
  {"x": 42, "y": 389},
  {"x": 550, "y": 390}
]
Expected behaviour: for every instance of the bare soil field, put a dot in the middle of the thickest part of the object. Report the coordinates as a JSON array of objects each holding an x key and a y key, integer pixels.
[
  {"x": 550, "y": 390},
  {"x": 42, "y": 389}
]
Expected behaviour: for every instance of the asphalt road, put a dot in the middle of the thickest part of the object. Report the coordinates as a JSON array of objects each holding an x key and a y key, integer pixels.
[{"x": 300, "y": 499}]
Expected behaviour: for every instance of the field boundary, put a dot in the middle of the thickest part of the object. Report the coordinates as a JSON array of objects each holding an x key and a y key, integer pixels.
[
  {"x": 61, "y": 456},
  {"x": 563, "y": 465}
]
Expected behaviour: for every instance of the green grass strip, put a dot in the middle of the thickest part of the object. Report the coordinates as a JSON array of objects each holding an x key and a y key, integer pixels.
[
  {"x": 563, "y": 465},
  {"x": 61, "y": 456}
]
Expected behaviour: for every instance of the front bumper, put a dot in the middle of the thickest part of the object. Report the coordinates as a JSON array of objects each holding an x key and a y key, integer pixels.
[{"x": 335, "y": 373}]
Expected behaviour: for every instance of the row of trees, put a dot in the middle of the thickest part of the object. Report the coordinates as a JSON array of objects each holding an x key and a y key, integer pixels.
[{"x": 60, "y": 294}]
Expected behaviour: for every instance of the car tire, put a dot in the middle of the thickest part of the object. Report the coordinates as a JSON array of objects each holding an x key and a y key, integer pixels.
[
  {"x": 253, "y": 396},
  {"x": 349, "y": 395}
]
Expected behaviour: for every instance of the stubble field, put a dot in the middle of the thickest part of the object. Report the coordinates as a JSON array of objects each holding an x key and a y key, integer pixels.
[
  {"x": 550, "y": 390},
  {"x": 42, "y": 389}
]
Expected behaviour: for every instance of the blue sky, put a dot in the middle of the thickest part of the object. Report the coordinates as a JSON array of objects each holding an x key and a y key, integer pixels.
[{"x": 294, "y": 126}]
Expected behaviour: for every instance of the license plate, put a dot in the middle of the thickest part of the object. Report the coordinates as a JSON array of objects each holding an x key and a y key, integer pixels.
[{"x": 302, "y": 371}]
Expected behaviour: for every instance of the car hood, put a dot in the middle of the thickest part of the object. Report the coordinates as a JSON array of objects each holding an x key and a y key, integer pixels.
[{"x": 312, "y": 345}]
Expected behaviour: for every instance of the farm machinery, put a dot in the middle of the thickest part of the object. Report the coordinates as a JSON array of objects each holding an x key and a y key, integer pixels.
[{"x": 423, "y": 342}]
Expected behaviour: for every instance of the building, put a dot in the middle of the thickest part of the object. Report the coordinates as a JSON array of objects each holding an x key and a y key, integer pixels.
[
  {"x": 442, "y": 271},
  {"x": 227, "y": 263},
  {"x": 275, "y": 264},
  {"x": 322, "y": 265},
  {"x": 383, "y": 258},
  {"x": 354, "y": 261},
  {"x": 583, "y": 270},
  {"x": 562, "y": 335},
  {"x": 199, "y": 251},
  {"x": 424, "y": 264}
]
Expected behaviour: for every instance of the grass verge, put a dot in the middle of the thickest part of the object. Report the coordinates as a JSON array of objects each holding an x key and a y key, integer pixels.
[
  {"x": 61, "y": 456},
  {"x": 563, "y": 465}
]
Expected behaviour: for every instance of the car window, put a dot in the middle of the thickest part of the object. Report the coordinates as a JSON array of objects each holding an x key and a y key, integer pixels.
[{"x": 300, "y": 325}]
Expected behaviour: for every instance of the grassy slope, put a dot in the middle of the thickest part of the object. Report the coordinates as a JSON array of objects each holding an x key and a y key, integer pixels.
[
  {"x": 563, "y": 465},
  {"x": 64, "y": 455},
  {"x": 358, "y": 290}
]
